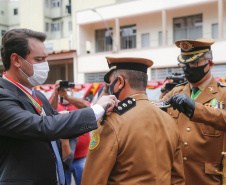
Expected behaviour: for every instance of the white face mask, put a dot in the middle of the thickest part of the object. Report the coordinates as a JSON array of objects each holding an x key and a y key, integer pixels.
[{"x": 40, "y": 73}]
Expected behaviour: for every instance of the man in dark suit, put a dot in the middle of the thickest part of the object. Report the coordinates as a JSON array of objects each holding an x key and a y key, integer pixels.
[{"x": 28, "y": 124}]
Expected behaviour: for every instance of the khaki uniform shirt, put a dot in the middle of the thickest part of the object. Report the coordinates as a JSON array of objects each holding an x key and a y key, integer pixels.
[
  {"x": 202, "y": 144},
  {"x": 139, "y": 147}
]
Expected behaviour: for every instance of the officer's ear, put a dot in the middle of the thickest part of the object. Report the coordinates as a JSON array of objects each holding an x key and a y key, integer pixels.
[
  {"x": 211, "y": 64},
  {"x": 121, "y": 81}
]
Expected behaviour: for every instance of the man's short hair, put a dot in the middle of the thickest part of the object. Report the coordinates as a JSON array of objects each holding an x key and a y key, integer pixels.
[
  {"x": 16, "y": 41},
  {"x": 136, "y": 79}
]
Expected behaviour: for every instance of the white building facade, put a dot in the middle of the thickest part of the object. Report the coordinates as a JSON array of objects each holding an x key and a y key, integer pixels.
[
  {"x": 81, "y": 33},
  {"x": 148, "y": 29}
]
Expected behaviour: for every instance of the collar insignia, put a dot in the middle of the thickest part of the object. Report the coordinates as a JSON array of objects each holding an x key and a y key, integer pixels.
[
  {"x": 125, "y": 105},
  {"x": 211, "y": 88}
]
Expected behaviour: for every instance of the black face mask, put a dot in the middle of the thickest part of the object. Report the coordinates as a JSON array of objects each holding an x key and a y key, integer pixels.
[
  {"x": 111, "y": 88},
  {"x": 194, "y": 74}
]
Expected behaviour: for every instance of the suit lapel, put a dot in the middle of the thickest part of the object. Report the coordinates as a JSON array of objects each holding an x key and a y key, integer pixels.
[
  {"x": 16, "y": 91},
  {"x": 208, "y": 93}
]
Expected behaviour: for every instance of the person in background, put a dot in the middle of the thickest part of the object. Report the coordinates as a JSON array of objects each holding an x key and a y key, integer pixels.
[{"x": 74, "y": 150}]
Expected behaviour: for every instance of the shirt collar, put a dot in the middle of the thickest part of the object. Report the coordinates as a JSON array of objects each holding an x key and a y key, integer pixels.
[{"x": 29, "y": 90}]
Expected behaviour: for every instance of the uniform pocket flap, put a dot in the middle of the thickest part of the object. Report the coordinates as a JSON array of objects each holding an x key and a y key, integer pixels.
[
  {"x": 173, "y": 113},
  {"x": 210, "y": 168}
]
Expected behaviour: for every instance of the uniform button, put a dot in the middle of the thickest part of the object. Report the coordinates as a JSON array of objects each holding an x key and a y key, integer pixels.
[
  {"x": 185, "y": 158},
  {"x": 188, "y": 129},
  {"x": 185, "y": 143}
]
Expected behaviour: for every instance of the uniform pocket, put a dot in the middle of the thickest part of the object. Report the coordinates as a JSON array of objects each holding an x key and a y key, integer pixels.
[
  {"x": 173, "y": 113},
  {"x": 210, "y": 168},
  {"x": 207, "y": 130}
]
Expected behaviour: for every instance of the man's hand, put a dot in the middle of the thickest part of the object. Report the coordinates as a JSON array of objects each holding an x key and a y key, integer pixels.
[
  {"x": 56, "y": 87},
  {"x": 105, "y": 100},
  {"x": 61, "y": 92},
  {"x": 182, "y": 103}
]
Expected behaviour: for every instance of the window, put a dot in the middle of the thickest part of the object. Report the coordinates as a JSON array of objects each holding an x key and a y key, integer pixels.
[
  {"x": 128, "y": 36},
  {"x": 162, "y": 73},
  {"x": 218, "y": 70},
  {"x": 94, "y": 77},
  {"x": 55, "y": 3},
  {"x": 215, "y": 31},
  {"x": 160, "y": 38},
  {"x": 145, "y": 40},
  {"x": 189, "y": 27},
  {"x": 70, "y": 26},
  {"x": 15, "y": 11},
  {"x": 103, "y": 40},
  {"x": 47, "y": 26},
  {"x": 3, "y": 32},
  {"x": 55, "y": 27}
]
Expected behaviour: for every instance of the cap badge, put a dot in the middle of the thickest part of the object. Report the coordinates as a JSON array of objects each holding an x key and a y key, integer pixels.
[
  {"x": 186, "y": 46},
  {"x": 95, "y": 140}
]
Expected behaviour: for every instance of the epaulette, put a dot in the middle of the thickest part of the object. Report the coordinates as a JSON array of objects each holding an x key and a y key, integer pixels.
[
  {"x": 125, "y": 105},
  {"x": 222, "y": 84},
  {"x": 184, "y": 83}
]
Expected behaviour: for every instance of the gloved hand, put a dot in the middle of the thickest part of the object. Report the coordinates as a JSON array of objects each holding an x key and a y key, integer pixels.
[{"x": 182, "y": 103}]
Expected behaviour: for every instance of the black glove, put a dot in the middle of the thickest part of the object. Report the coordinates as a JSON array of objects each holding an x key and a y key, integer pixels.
[{"x": 182, "y": 103}]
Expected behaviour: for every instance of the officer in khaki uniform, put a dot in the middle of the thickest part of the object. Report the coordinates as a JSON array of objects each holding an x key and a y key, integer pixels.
[
  {"x": 202, "y": 102},
  {"x": 138, "y": 144}
]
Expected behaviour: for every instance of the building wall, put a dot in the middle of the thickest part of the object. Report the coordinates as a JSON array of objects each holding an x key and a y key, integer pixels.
[
  {"x": 79, "y": 5},
  {"x": 148, "y": 19}
]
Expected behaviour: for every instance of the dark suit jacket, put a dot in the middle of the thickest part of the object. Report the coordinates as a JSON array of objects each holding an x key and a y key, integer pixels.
[{"x": 26, "y": 155}]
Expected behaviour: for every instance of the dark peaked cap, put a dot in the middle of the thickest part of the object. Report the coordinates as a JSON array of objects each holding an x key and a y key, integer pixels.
[
  {"x": 128, "y": 63},
  {"x": 192, "y": 50}
]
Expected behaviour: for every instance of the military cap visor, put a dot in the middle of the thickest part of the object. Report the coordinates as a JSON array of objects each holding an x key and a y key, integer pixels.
[
  {"x": 192, "y": 50},
  {"x": 127, "y": 63}
]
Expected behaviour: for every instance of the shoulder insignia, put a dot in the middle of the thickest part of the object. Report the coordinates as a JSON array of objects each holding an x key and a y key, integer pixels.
[
  {"x": 95, "y": 140},
  {"x": 222, "y": 84},
  {"x": 184, "y": 83},
  {"x": 125, "y": 105}
]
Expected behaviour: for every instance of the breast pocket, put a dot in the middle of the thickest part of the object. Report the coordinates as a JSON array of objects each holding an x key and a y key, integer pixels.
[
  {"x": 207, "y": 130},
  {"x": 173, "y": 113}
]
